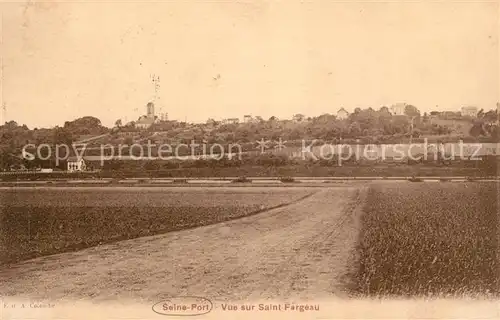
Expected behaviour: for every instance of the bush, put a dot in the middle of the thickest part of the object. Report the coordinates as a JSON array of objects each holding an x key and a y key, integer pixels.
[
  {"x": 271, "y": 160},
  {"x": 242, "y": 180},
  {"x": 115, "y": 181},
  {"x": 287, "y": 179},
  {"x": 415, "y": 179}
]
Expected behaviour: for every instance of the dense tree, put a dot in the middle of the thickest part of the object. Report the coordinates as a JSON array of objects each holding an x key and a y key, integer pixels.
[
  {"x": 480, "y": 113},
  {"x": 425, "y": 118},
  {"x": 63, "y": 136},
  {"x": 384, "y": 109},
  {"x": 411, "y": 111},
  {"x": 490, "y": 116},
  {"x": 354, "y": 130},
  {"x": 11, "y": 124},
  {"x": 477, "y": 130}
]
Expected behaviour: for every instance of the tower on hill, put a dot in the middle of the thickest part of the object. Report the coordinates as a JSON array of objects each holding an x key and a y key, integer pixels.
[{"x": 150, "y": 112}]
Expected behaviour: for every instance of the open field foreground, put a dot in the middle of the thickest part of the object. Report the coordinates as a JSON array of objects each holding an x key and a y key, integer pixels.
[
  {"x": 41, "y": 221},
  {"x": 378, "y": 240}
]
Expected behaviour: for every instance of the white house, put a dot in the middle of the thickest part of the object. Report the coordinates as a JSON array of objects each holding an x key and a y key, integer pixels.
[
  {"x": 76, "y": 164},
  {"x": 342, "y": 114},
  {"x": 247, "y": 118}
]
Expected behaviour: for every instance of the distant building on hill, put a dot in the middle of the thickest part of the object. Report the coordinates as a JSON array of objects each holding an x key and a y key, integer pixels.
[
  {"x": 247, "y": 118},
  {"x": 231, "y": 121},
  {"x": 450, "y": 115},
  {"x": 342, "y": 114},
  {"x": 164, "y": 116},
  {"x": 398, "y": 109},
  {"x": 144, "y": 122},
  {"x": 469, "y": 112},
  {"x": 150, "y": 108},
  {"x": 149, "y": 119}
]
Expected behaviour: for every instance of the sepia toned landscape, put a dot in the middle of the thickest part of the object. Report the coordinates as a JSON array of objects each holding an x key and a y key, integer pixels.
[{"x": 249, "y": 159}]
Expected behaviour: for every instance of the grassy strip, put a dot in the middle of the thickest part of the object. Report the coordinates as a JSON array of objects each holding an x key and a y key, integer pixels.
[{"x": 313, "y": 170}]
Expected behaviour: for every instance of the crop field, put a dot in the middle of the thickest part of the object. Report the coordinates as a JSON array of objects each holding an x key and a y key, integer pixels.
[
  {"x": 41, "y": 221},
  {"x": 424, "y": 239}
]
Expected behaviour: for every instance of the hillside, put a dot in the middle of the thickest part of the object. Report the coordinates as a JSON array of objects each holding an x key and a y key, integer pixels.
[{"x": 364, "y": 126}]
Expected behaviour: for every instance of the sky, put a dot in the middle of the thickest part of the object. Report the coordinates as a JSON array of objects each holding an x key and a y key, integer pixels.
[{"x": 227, "y": 58}]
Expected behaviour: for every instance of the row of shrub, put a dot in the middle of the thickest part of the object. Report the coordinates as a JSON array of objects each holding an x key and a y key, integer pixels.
[
  {"x": 114, "y": 176},
  {"x": 489, "y": 168},
  {"x": 242, "y": 179},
  {"x": 246, "y": 180},
  {"x": 179, "y": 177},
  {"x": 418, "y": 179}
]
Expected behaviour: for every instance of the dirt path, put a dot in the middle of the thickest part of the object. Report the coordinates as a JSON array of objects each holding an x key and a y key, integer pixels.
[{"x": 299, "y": 251}]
